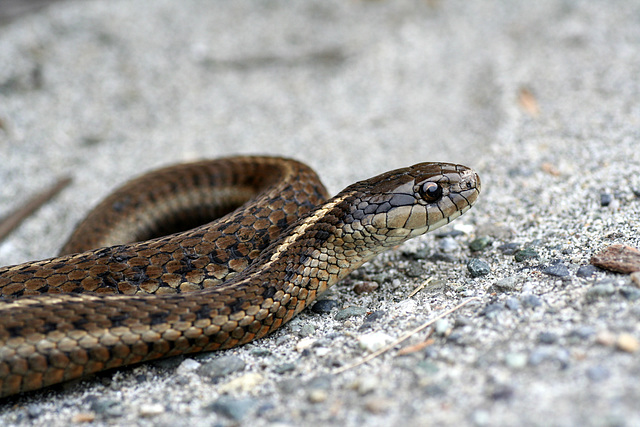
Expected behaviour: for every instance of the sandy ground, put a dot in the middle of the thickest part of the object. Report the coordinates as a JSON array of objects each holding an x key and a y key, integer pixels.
[{"x": 541, "y": 99}]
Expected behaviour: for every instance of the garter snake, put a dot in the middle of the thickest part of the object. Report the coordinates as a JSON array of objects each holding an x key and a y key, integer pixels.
[{"x": 214, "y": 286}]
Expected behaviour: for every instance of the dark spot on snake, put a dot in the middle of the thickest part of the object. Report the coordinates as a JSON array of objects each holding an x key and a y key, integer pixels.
[
  {"x": 79, "y": 323},
  {"x": 282, "y": 223},
  {"x": 121, "y": 257},
  {"x": 14, "y": 331},
  {"x": 118, "y": 319},
  {"x": 303, "y": 258},
  {"x": 234, "y": 252},
  {"x": 236, "y": 305},
  {"x": 321, "y": 235},
  {"x": 105, "y": 251},
  {"x": 109, "y": 281},
  {"x": 203, "y": 312},
  {"x": 58, "y": 265},
  {"x": 215, "y": 259},
  {"x": 290, "y": 274},
  {"x": 49, "y": 327},
  {"x": 121, "y": 205},
  {"x": 269, "y": 292},
  {"x": 158, "y": 317}
]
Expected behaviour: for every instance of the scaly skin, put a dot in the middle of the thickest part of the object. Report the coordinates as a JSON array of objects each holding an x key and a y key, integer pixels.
[{"x": 237, "y": 293}]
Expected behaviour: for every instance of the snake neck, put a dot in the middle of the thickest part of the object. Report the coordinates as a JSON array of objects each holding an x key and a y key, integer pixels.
[{"x": 317, "y": 251}]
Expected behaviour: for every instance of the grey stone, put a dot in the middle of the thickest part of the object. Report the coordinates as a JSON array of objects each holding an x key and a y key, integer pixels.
[
  {"x": 478, "y": 268},
  {"x": 557, "y": 269},
  {"x": 232, "y": 408},
  {"x": 350, "y": 312},
  {"x": 324, "y": 306},
  {"x": 221, "y": 366}
]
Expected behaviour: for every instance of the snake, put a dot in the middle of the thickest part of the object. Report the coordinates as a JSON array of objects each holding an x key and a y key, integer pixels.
[{"x": 206, "y": 256}]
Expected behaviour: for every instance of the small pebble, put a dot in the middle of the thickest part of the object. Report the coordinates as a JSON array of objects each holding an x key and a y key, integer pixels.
[
  {"x": 512, "y": 303},
  {"x": 317, "y": 396},
  {"x": 605, "y": 338},
  {"x": 478, "y": 267},
  {"x": 377, "y": 405},
  {"x": 515, "y": 360},
  {"x": 324, "y": 306},
  {"x": 234, "y": 409},
  {"x": 151, "y": 410},
  {"x": 448, "y": 245},
  {"x": 506, "y": 284},
  {"x": 525, "y": 254},
  {"x": 321, "y": 382},
  {"x": 350, "y": 312},
  {"x": 509, "y": 248},
  {"x": 605, "y": 199},
  {"x": 530, "y": 301},
  {"x": 374, "y": 316},
  {"x": 374, "y": 341},
  {"x": 366, "y": 384},
  {"x": 557, "y": 269},
  {"x": 365, "y": 287},
  {"x": 434, "y": 390},
  {"x": 479, "y": 243},
  {"x": 630, "y": 292},
  {"x": 549, "y": 354},
  {"x": 285, "y": 367},
  {"x": 586, "y": 271},
  {"x": 442, "y": 327},
  {"x": 600, "y": 291},
  {"x": 242, "y": 384},
  {"x": 441, "y": 256},
  {"x": 187, "y": 365},
  {"x": 583, "y": 332},
  {"x": 104, "y": 406},
  {"x": 618, "y": 258},
  {"x": 481, "y": 417},
  {"x": 34, "y": 411},
  {"x": 305, "y": 343},
  {"x": 547, "y": 337},
  {"x": 306, "y": 330},
  {"x": 221, "y": 366},
  {"x": 598, "y": 373},
  {"x": 260, "y": 352},
  {"x": 627, "y": 343},
  {"x": 491, "y": 310},
  {"x": 83, "y": 417},
  {"x": 501, "y": 392}
]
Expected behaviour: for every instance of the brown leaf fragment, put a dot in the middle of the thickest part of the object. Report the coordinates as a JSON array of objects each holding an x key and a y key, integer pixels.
[
  {"x": 416, "y": 347},
  {"x": 618, "y": 258},
  {"x": 528, "y": 102}
]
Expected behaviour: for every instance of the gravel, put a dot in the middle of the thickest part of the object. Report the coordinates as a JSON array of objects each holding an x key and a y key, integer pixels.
[{"x": 541, "y": 99}]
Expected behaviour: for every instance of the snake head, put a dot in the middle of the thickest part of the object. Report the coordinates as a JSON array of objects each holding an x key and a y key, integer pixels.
[{"x": 398, "y": 205}]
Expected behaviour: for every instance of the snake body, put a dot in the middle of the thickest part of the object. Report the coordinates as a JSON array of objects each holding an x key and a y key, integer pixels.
[{"x": 214, "y": 286}]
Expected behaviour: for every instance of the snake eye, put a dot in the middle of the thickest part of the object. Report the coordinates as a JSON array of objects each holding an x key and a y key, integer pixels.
[{"x": 431, "y": 192}]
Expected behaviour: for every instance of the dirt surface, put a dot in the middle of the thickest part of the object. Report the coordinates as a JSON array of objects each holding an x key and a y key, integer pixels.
[{"x": 542, "y": 100}]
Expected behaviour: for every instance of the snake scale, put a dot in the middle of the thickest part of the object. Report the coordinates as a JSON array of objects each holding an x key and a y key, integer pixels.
[{"x": 278, "y": 244}]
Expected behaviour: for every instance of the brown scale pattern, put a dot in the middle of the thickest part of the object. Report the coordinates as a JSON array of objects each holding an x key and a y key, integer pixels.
[{"x": 240, "y": 292}]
